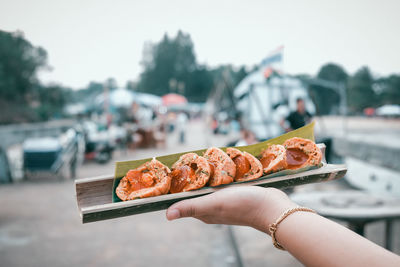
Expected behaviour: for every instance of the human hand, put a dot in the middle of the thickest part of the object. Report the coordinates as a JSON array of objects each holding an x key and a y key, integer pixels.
[{"x": 252, "y": 206}]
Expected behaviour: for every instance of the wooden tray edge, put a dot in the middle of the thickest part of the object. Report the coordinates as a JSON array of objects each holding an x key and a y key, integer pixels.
[{"x": 120, "y": 209}]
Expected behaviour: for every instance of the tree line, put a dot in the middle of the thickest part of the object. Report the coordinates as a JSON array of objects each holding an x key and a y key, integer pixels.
[
  {"x": 362, "y": 90},
  {"x": 169, "y": 66},
  {"x": 22, "y": 97}
]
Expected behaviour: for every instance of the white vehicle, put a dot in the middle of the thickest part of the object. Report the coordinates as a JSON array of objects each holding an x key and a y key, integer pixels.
[
  {"x": 264, "y": 104},
  {"x": 388, "y": 111}
]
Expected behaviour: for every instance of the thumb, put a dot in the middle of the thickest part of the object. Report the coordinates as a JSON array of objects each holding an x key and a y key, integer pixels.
[{"x": 185, "y": 208}]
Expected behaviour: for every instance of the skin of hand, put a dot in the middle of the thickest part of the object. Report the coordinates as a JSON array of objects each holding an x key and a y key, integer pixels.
[
  {"x": 312, "y": 239},
  {"x": 237, "y": 205}
]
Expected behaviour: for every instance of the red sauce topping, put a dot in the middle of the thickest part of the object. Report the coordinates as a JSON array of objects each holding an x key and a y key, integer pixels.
[
  {"x": 181, "y": 177},
  {"x": 265, "y": 161},
  {"x": 295, "y": 158},
  {"x": 139, "y": 180},
  {"x": 242, "y": 166}
]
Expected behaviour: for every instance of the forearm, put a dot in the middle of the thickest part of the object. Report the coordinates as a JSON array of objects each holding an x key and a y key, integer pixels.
[
  {"x": 317, "y": 241},
  {"x": 312, "y": 239}
]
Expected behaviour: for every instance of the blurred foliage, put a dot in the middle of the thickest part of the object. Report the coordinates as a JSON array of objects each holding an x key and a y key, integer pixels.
[
  {"x": 388, "y": 89},
  {"x": 360, "y": 94},
  {"x": 325, "y": 98},
  {"x": 363, "y": 90},
  {"x": 170, "y": 66},
  {"x": 234, "y": 75},
  {"x": 52, "y": 99},
  {"x": 167, "y": 65},
  {"x": 19, "y": 62},
  {"x": 89, "y": 93},
  {"x": 22, "y": 97}
]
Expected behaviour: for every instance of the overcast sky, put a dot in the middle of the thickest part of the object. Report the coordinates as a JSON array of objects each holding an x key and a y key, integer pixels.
[{"x": 93, "y": 40}]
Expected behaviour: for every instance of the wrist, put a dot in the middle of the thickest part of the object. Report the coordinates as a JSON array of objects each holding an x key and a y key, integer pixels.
[{"x": 274, "y": 205}]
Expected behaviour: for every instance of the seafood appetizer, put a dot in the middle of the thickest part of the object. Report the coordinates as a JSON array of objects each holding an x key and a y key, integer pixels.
[
  {"x": 216, "y": 167},
  {"x": 273, "y": 159},
  {"x": 301, "y": 153},
  {"x": 223, "y": 169},
  {"x": 148, "y": 180},
  {"x": 248, "y": 167},
  {"x": 190, "y": 172}
]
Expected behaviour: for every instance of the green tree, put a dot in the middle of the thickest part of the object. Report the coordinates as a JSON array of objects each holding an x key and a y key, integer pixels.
[
  {"x": 22, "y": 97},
  {"x": 51, "y": 101},
  {"x": 168, "y": 64},
  {"x": 230, "y": 74},
  {"x": 360, "y": 93},
  {"x": 88, "y": 93},
  {"x": 388, "y": 89},
  {"x": 199, "y": 82},
  {"x": 111, "y": 83},
  {"x": 131, "y": 85},
  {"x": 171, "y": 66},
  {"x": 240, "y": 74},
  {"x": 19, "y": 63},
  {"x": 325, "y": 98}
]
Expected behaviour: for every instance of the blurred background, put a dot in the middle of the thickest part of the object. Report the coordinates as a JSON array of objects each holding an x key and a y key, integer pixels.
[{"x": 86, "y": 83}]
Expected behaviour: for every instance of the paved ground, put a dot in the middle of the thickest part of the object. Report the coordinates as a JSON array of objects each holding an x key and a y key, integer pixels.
[{"x": 40, "y": 226}]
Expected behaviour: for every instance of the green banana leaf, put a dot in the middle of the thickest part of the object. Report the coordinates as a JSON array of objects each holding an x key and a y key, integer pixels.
[{"x": 306, "y": 132}]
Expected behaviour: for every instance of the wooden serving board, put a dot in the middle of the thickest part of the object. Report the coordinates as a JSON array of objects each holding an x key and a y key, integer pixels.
[{"x": 94, "y": 195}]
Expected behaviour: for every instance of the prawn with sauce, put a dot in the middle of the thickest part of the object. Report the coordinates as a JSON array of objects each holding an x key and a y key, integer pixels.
[
  {"x": 248, "y": 167},
  {"x": 148, "y": 180},
  {"x": 190, "y": 172}
]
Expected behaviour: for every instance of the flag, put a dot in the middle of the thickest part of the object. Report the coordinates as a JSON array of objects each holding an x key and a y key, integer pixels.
[
  {"x": 273, "y": 63},
  {"x": 274, "y": 58}
]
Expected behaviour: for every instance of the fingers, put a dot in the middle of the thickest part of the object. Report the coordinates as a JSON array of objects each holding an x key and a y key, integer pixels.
[
  {"x": 185, "y": 208},
  {"x": 173, "y": 214},
  {"x": 191, "y": 208},
  {"x": 242, "y": 205}
]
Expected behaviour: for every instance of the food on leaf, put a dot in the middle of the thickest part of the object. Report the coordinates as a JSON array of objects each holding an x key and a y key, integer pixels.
[
  {"x": 223, "y": 169},
  {"x": 248, "y": 167},
  {"x": 273, "y": 159},
  {"x": 190, "y": 172},
  {"x": 215, "y": 168},
  {"x": 301, "y": 153},
  {"x": 148, "y": 180}
]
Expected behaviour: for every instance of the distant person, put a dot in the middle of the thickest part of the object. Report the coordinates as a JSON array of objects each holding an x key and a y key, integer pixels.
[
  {"x": 160, "y": 128},
  {"x": 181, "y": 122},
  {"x": 297, "y": 118},
  {"x": 235, "y": 126},
  {"x": 214, "y": 125},
  {"x": 247, "y": 138}
]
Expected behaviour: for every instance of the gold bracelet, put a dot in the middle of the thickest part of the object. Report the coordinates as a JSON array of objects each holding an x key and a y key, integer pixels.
[{"x": 274, "y": 226}]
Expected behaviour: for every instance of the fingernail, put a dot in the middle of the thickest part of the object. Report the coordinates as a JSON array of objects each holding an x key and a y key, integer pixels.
[{"x": 173, "y": 214}]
